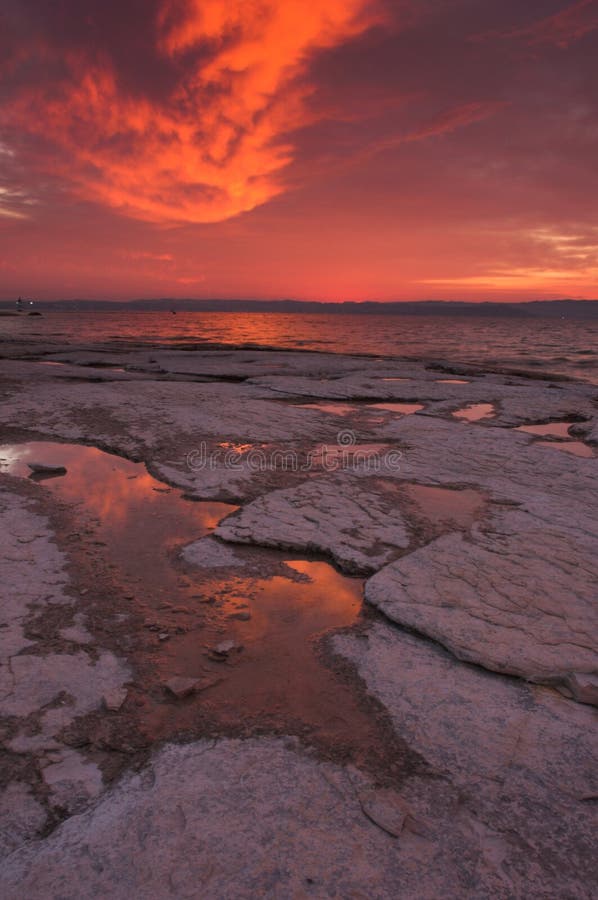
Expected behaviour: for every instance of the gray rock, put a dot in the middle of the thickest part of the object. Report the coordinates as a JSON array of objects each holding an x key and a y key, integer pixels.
[
  {"x": 518, "y": 598},
  {"x": 522, "y": 758},
  {"x": 21, "y": 817},
  {"x": 361, "y": 527},
  {"x": 181, "y": 687},
  {"x": 258, "y": 818},
  {"x": 46, "y": 469}
]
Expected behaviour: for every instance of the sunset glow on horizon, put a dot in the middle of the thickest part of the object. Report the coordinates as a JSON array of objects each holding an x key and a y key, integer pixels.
[{"x": 342, "y": 149}]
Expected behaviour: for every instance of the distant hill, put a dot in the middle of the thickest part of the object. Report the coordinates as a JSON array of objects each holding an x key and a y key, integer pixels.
[{"x": 557, "y": 309}]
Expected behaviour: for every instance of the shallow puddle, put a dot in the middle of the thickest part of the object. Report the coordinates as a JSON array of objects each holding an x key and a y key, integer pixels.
[
  {"x": 277, "y": 678},
  {"x": 273, "y": 612},
  {"x": 405, "y": 409},
  {"x": 563, "y": 440},
  {"x": 475, "y": 412},
  {"x": 134, "y": 512},
  {"x": 396, "y": 378},
  {"x": 575, "y": 448},
  {"x": 459, "y": 508},
  {"x": 335, "y": 409},
  {"x": 549, "y": 429},
  {"x": 452, "y": 381}
]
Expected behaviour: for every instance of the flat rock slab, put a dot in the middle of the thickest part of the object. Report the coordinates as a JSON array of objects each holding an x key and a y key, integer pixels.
[
  {"x": 261, "y": 818},
  {"x": 42, "y": 691},
  {"x": 208, "y": 553},
  {"x": 519, "y": 599},
  {"x": 360, "y": 527},
  {"x": 522, "y": 758}
]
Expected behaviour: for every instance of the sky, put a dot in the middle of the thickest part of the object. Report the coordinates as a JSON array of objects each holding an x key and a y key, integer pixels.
[{"x": 330, "y": 150}]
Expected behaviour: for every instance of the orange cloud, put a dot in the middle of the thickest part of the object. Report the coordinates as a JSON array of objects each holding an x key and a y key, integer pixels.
[{"x": 217, "y": 145}]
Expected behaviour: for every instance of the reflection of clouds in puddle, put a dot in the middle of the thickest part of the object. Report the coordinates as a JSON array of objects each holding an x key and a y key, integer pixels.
[
  {"x": 439, "y": 504},
  {"x": 475, "y": 411},
  {"x": 238, "y": 448},
  {"x": 563, "y": 440},
  {"x": 120, "y": 493},
  {"x": 285, "y": 610},
  {"x": 345, "y": 409},
  {"x": 549, "y": 429},
  {"x": 335, "y": 409}
]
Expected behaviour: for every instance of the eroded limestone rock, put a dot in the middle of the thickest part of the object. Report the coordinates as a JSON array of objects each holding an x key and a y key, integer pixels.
[
  {"x": 523, "y": 759},
  {"x": 360, "y": 527},
  {"x": 518, "y": 598}
]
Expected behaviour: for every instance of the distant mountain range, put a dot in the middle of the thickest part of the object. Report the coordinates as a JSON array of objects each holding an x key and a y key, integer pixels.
[{"x": 557, "y": 309}]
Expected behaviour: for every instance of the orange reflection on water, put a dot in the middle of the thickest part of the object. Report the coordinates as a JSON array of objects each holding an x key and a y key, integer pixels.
[
  {"x": 549, "y": 429},
  {"x": 404, "y": 409},
  {"x": 475, "y": 411},
  {"x": 120, "y": 494}
]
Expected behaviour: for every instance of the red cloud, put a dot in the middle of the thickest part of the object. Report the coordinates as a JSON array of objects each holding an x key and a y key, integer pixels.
[{"x": 216, "y": 146}]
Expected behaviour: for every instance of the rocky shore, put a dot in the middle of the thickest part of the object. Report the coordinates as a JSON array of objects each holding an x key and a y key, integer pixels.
[{"x": 441, "y": 739}]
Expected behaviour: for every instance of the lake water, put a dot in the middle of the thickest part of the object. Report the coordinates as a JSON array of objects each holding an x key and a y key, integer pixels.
[{"x": 563, "y": 346}]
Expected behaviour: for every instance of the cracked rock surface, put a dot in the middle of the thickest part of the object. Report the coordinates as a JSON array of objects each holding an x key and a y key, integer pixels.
[
  {"x": 523, "y": 759},
  {"x": 520, "y": 599},
  {"x": 301, "y": 828},
  {"x": 478, "y": 648},
  {"x": 360, "y": 529}
]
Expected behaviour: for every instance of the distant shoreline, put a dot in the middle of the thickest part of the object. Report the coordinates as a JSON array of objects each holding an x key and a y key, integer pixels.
[{"x": 568, "y": 309}]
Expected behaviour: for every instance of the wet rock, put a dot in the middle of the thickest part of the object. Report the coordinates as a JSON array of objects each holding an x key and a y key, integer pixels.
[
  {"x": 221, "y": 651},
  {"x": 240, "y": 616},
  {"x": 211, "y": 554},
  {"x": 225, "y": 647},
  {"x": 181, "y": 687}
]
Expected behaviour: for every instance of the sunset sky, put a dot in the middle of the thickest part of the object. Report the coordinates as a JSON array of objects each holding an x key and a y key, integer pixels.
[{"x": 330, "y": 149}]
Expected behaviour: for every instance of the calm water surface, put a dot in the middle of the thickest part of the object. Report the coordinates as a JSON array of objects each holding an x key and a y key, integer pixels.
[{"x": 556, "y": 345}]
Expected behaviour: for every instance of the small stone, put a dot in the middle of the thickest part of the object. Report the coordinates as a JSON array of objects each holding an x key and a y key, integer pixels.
[
  {"x": 46, "y": 469},
  {"x": 240, "y": 616},
  {"x": 224, "y": 647},
  {"x": 114, "y": 699},
  {"x": 182, "y": 687},
  {"x": 163, "y": 636},
  {"x": 384, "y": 808}
]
